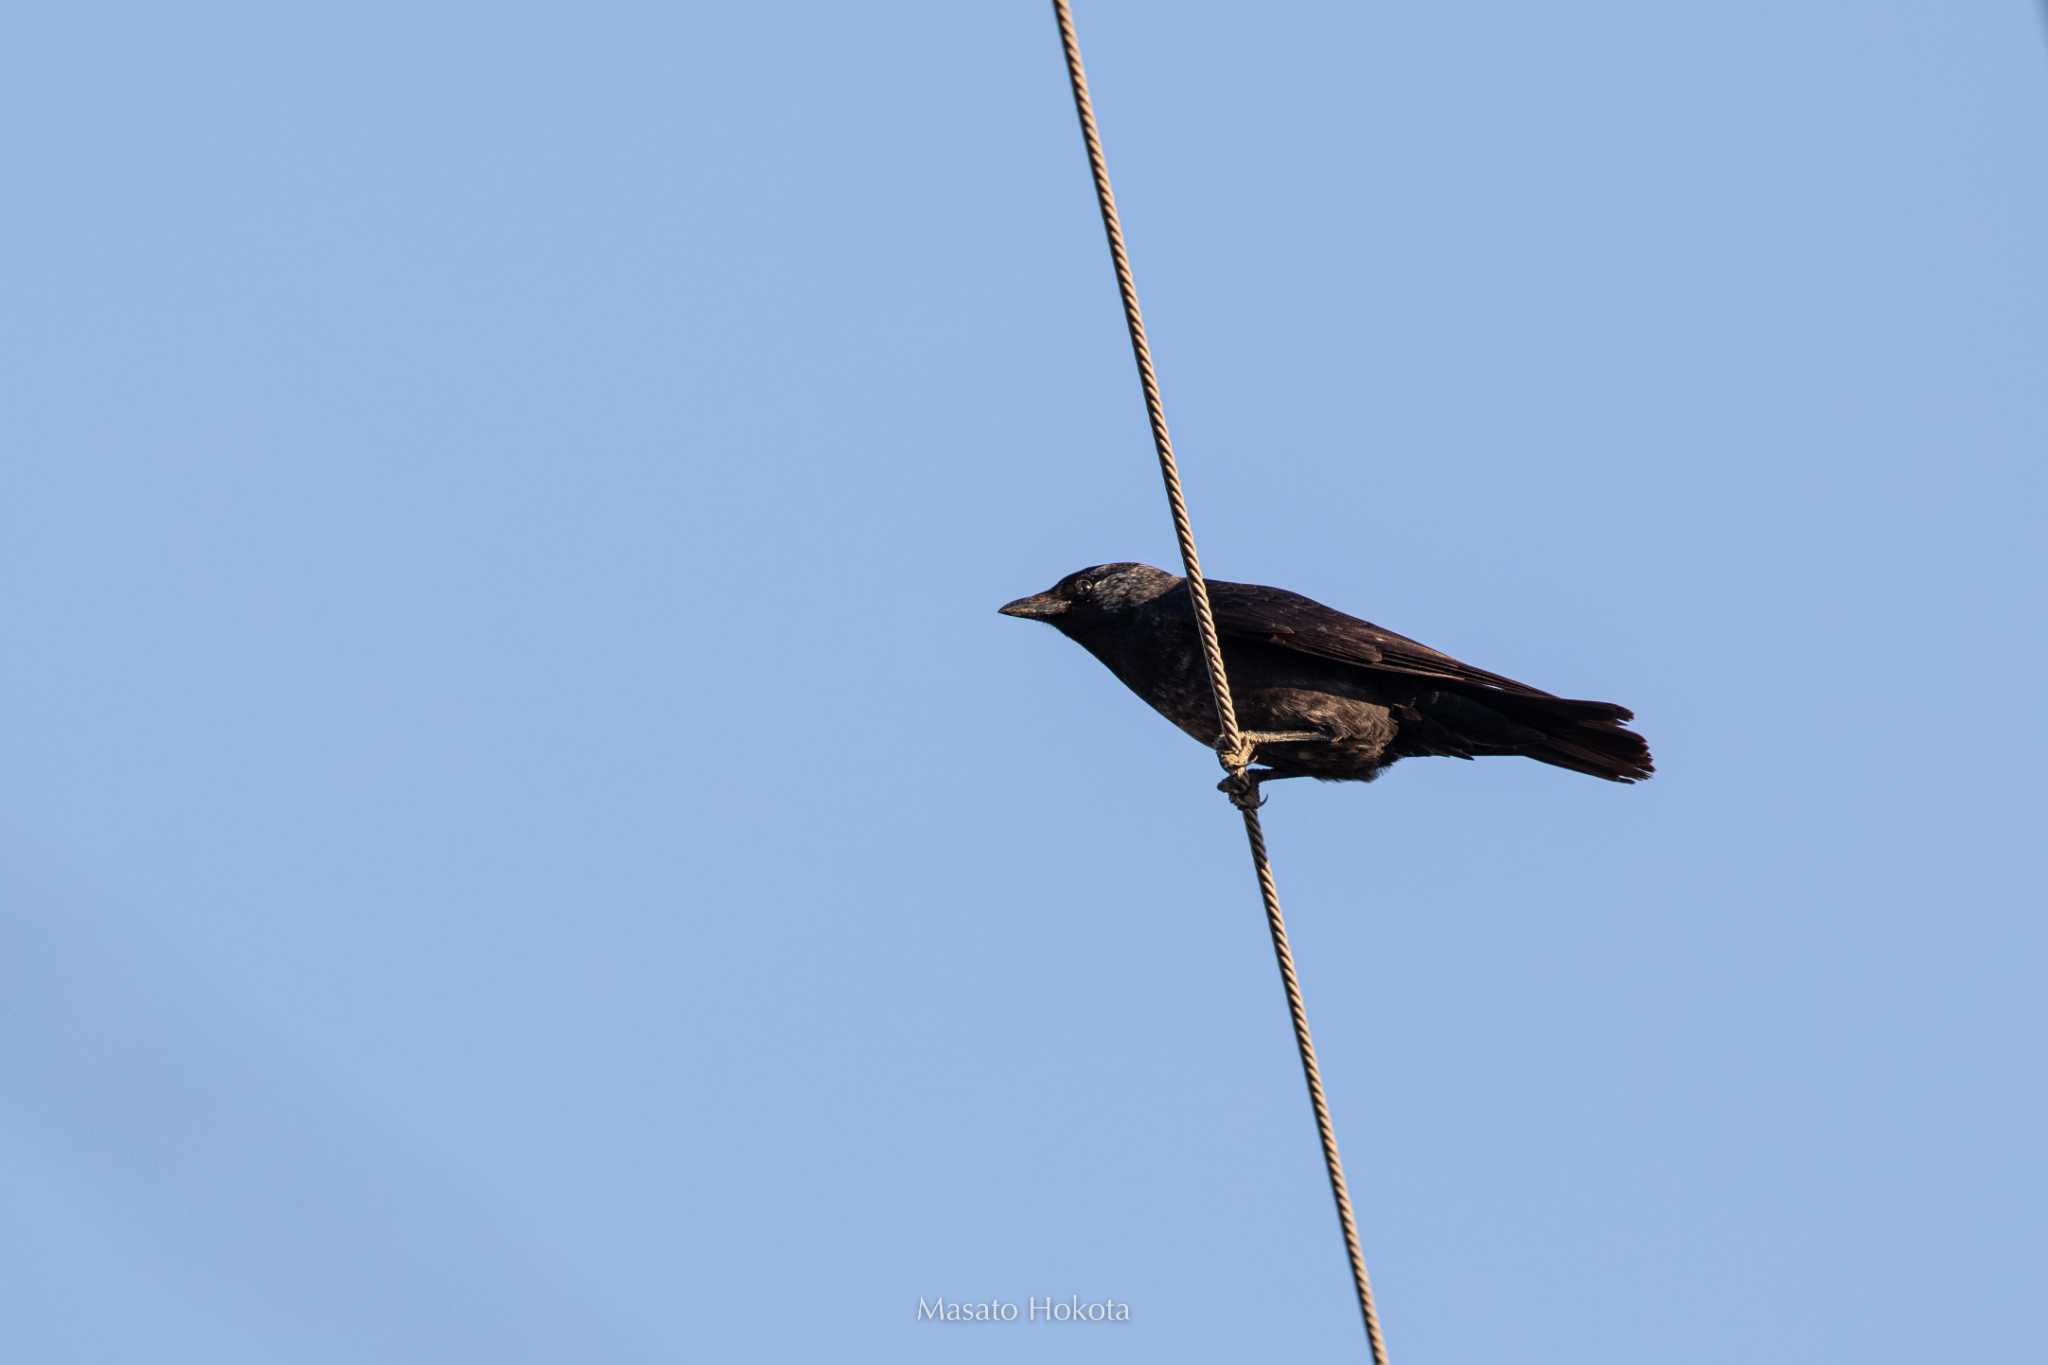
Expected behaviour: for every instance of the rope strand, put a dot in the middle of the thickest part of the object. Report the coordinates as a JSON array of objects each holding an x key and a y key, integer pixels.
[
  {"x": 1232, "y": 749},
  {"x": 1230, "y": 740}
]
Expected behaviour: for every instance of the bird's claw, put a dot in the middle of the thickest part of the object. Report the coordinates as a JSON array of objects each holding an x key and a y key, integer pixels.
[{"x": 1243, "y": 790}]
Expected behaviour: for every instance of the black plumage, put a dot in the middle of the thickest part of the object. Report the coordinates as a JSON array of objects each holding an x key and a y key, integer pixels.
[{"x": 1323, "y": 694}]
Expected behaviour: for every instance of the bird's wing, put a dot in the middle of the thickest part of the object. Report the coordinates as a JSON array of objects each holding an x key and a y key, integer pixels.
[{"x": 1247, "y": 611}]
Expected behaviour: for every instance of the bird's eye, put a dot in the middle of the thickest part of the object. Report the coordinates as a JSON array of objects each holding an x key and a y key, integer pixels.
[{"x": 1083, "y": 586}]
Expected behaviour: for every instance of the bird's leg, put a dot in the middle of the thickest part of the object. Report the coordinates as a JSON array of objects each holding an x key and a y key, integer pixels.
[{"x": 1255, "y": 738}]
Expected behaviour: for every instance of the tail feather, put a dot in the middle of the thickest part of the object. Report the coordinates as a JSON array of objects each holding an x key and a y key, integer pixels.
[{"x": 1586, "y": 737}]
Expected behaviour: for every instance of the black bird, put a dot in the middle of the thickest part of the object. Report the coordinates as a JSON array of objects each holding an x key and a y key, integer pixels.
[{"x": 1319, "y": 693}]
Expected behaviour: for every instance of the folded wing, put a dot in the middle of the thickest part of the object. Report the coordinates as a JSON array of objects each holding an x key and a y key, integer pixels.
[{"x": 1276, "y": 616}]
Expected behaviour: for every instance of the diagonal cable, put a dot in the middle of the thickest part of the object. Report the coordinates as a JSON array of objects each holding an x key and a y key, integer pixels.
[{"x": 1233, "y": 750}]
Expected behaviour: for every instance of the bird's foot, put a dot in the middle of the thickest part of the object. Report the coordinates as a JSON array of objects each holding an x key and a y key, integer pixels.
[{"x": 1243, "y": 788}]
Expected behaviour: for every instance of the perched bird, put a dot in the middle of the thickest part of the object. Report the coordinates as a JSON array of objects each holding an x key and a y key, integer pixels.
[{"x": 1319, "y": 693}]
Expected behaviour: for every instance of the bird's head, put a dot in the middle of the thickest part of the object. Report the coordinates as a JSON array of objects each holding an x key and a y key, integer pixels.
[{"x": 1090, "y": 595}]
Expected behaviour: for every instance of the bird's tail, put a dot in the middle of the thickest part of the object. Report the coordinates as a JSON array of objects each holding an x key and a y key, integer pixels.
[{"x": 1584, "y": 736}]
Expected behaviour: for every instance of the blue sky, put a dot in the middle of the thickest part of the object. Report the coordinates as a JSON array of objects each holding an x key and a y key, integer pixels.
[{"x": 525, "y": 838}]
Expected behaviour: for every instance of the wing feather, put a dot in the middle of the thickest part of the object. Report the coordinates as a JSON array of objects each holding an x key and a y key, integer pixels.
[{"x": 1275, "y": 616}]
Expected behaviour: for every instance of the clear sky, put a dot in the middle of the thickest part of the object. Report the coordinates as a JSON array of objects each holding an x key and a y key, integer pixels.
[{"x": 523, "y": 838}]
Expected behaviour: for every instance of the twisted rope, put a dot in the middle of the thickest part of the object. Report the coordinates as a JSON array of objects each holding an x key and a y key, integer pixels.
[{"x": 1232, "y": 748}]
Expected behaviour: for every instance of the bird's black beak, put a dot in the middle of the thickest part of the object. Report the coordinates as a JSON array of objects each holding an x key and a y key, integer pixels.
[{"x": 1038, "y": 607}]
